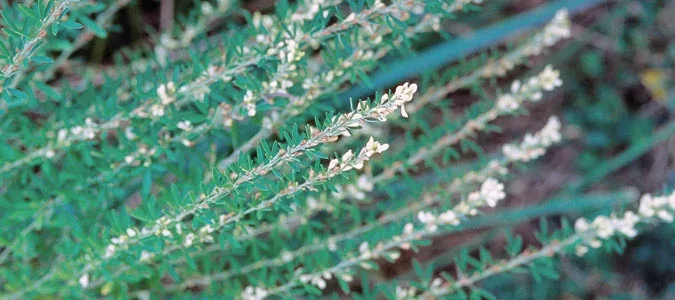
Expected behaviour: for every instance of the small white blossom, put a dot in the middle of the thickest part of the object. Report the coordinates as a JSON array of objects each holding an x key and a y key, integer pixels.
[
  {"x": 84, "y": 280},
  {"x": 580, "y": 250},
  {"x": 189, "y": 239},
  {"x": 146, "y": 256},
  {"x": 428, "y": 219},
  {"x": 364, "y": 250},
  {"x": 492, "y": 191},
  {"x": 109, "y": 251},
  {"x": 251, "y": 293},
  {"x": 603, "y": 227},
  {"x": 157, "y": 110},
  {"x": 559, "y": 28},
  {"x": 332, "y": 246},
  {"x": 449, "y": 217},
  {"x": 550, "y": 78},
  {"x": 507, "y": 103},
  {"x": 534, "y": 145},
  {"x": 165, "y": 93},
  {"x": 184, "y": 125},
  {"x": 129, "y": 133}
]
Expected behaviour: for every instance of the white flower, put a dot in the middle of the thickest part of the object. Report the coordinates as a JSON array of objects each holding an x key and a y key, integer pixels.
[
  {"x": 61, "y": 135},
  {"x": 581, "y": 250},
  {"x": 449, "y": 217},
  {"x": 332, "y": 164},
  {"x": 404, "y": 93},
  {"x": 332, "y": 246},
  {"x": 604, "y": 227},
  {"x": 319, "y": 282},
  {"x": 145, "y": 256},
  {"x": 206, "y": 229},
  {"x": 492, "y": 191},
  {"x": 428, "y": 219},
  {"x": 559, "y": 28},
  {"x": 364, "y": 183},
  {"x": 408, "y": 229},
  {"x": 364, "y": 249},
  {"x": 507, "y": 103},
  {"x": 131, "y": 232},
  {"x": 425, "y": 217},
  {"x": 109, "y": 251},
  {"x": 49, "y": 153},
  {"x": 581, "y": 225},
  {"x": 251, "y": 293},
  {"x": 551, "y": 132},
  {"x": 346, "y": 158},
  {"x": 184, "y": 125},
  {"x": 286, "y": 256},
  {"x": 77, "y": 130},
  {"x": 373, "y": 147},
  {"x": 534, "y": 145},
  {"x": 157, "y": 110},
  {"x": 206, "y": 8},
  {"x": 129, "y": 133},
  {"x": 665, "y": 216},
  {"x": 626, "y": 225},
  {"x": 347, "y": 277},
  {"x": 250, "y": 103},
  {"x": 165, "y": 93},
  {"x": 646, "y": 208},
  {"x": 189, "y": 239},
  {"x": 89, "y": 133},
  {"x": 84, "y": 280},
  {"x": 549, "y": 78},
  {"x": 671, "y": 201}
]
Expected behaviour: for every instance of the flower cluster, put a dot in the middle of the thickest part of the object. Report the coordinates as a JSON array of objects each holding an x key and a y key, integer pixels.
[
  {"x": 357, "y": 190},
  {"x": 348, "y": 160},
  {"x": 272, "y": 185},
  {"x": 251, "y": 293},
  {"x": 378, "y": 111},
  {"x": 604, "y": 227},
  {"x": 534, "y": 145},
  {"x": 491, "y": 189},
  {"x": 556, "y": 30},
  {"x": 490, "y": 193},
  {"x": 341, "y": 123},
  {"x": 166, "y": 94},
  {"x": 86, "y": 132},
  {"x": 531, "y": 90}
]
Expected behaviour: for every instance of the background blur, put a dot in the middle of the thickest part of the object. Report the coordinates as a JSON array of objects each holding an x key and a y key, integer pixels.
[{"x": 617, "y": 101}]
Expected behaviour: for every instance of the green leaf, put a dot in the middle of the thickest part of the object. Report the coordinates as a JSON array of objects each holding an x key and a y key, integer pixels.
[
  {"x": 5, "y": 51},
  {"x": 42, "y": 59},
  {"x": 344, "y": 286},
  {"x": 147, "y": 183},
  {"x": 17, "y": 93},
  {"x": 28, "y": 12},
  {"x": 48, "y": 91},
  {"x": 72, "y": 25},
  {"x": 55, "y": 29},
  {"x": 95, "y": 28}
]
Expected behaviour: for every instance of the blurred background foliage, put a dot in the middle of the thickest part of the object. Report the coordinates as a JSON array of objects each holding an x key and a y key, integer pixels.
[{"x": 617, "y": 101}]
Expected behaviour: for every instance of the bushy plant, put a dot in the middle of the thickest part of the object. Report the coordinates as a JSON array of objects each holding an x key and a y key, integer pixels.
[{"x": 228, "y": 162}]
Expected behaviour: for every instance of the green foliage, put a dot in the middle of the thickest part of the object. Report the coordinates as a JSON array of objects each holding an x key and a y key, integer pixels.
[{"x": 229, "y": 157}]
